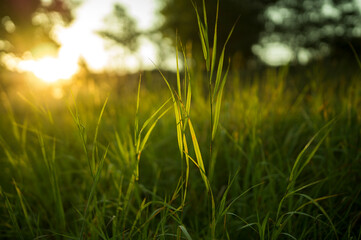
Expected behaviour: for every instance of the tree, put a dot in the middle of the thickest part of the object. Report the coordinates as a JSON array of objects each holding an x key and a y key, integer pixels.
[
  {"x": 122, "y": 28},
  {"x": 318, "y": 28},
  {"x": 179, "y": 16},
  {"x": 27, "y": 24}
]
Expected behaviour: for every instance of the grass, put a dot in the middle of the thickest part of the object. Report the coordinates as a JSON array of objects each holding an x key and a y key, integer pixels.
[{"x": 273, "y": 155}]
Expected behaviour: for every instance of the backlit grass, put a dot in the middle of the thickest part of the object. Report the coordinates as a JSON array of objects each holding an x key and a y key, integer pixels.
[{"x": 272, "y": 155}]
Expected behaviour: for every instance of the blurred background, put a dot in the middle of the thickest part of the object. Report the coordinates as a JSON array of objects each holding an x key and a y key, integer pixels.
[{"x": 53, "y": 40}]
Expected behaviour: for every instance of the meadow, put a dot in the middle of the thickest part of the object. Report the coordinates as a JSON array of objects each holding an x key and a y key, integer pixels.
[{"x": 211, "y": 154}]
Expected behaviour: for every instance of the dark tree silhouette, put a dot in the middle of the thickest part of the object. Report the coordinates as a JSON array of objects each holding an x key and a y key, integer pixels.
[
  {"x": 179, "y": 16},
  {"x": 26, "y": 24},
  {"x": 319, "y": 28},
  {"x": 322, "y": 28}
]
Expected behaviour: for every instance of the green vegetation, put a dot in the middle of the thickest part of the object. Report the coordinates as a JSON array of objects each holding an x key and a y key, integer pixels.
[{"x": 273, "y": 155}]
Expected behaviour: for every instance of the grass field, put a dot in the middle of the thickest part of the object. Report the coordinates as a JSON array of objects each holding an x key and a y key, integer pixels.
[{"x": 278, "y": 158}]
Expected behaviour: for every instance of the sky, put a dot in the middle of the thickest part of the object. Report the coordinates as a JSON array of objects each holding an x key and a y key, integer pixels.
[
  {"x": 80, "y": 40},
  {"x": 81, "y": 37}
]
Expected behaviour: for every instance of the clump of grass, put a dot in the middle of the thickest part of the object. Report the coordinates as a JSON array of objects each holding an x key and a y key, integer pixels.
[{"x": 237, "y": 163}]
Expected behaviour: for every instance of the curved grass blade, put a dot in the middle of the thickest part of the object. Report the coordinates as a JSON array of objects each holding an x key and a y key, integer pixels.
[
  {"x": 217, "y": 111},
  {"x": 198, "y": 155},
  {"x": 185, "y": 232},
  {"x": 296, "y": 171}
]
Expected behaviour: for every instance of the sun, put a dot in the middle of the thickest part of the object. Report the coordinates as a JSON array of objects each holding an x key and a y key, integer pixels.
[{"x": 50, "y": 69}]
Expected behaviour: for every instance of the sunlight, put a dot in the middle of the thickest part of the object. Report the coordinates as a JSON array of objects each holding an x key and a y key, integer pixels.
[{"x": 49, "y": 69}]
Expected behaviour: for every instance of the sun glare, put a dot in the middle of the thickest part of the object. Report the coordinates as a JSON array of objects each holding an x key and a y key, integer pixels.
[{"x": 49, "y": 69}]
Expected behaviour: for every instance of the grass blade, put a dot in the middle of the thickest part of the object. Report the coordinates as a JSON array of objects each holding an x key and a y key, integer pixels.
[
  {"x": 185, "y": 232},
  {"x": 214, "y": 50},
  {"x": 217, "y": 111},
  {"x": 136, "y": 121},
  {"x": 96, "y": 133},
  {"x": 295, "y": 172},
  {"x": 198, "y": 155},
  {"x": 92, "y": 191},
  {"x": 23, "y": 207}
]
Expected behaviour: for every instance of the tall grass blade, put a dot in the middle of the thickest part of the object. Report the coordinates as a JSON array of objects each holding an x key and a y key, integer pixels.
[
  {"x": 217, "y": 110},
  {"x": 185, "y": 232},
  {"x": 136, "y": 121},
  {"x": 220, "y": 62},
  {"x": 153, "y": 117},
  {"x": 214, "y": 50},
  {"x": 178, "y": 72},
  {"x": 225, "y": 211},
  {"x": 315, "y": 202},
  {"x": 50, "y": 164},
  {"x": 355, "y": 54},
  {"x": 146, "y": 136},
  {"x": 56, "y": 191},
  {"x": 177, "y": 114},
  {"x": 198, "y": 155},
  {"x": 203, "y": 35},
  {"x": 187, "y": 169},
  {"x": 222, "y": 205},
  {"x": 295, "y": 169},
  {"x": 92, "y": 191},
  {"x": 82, "y": 134},
  {"x": 96, "y": 133},
  {"x": 23, "y": 207}
]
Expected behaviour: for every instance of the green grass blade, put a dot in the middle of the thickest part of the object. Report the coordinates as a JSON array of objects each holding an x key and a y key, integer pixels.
[
  {"x": 82, "y": 134},
  {"x": 214, "y": 50},
  {"x": 205, "y": 14},
  {"x": 293, "y": 192},
  {"x": 56, "y": 189},
  {"x": 152, "y": 117},
  {"x": 141, "y": 143},
  {"x": 177, "y": 113},
  {"x": 187, "y": 168},
  {"x": 310, "y": 156},
  {"x": 96, "y": 179},
  {"x": 315, "y": 202},
  {"x": 178, "y": 72},
  {"x": 137, "y": 217},
  {"x": 147, "y": 122},
  {"x": 238, "y": 197},
  {"x": 23, "y": 207},
  {"x": 355, "y": 54},
  {"x": 203, "y": 35},
  {"x": 198, "y": 155},
  {"x": 146, "y": 136},
  {"x": 217, "y": 110},
  {"x": 96, "y": 133},
  {"x": 185, "y": 232},
  {"x": 222, "y": 205},
  {"x": 220, "y": 62},
  {"x": 295, "y": 170},
  {"x": 136, "y": 121}
]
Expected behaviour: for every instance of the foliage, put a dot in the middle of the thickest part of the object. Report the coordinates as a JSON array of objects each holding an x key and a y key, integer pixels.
[
  {"x": 102, "y": 163},
  {"x": 281, "y": 165},
  {"x": 316, "y": 28},
  {"x": 122, "y": 28},
  {"x": 178, "y": 17},
  {"x": 320, "y": 27},
  {"x": 31, "y": 20}
]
